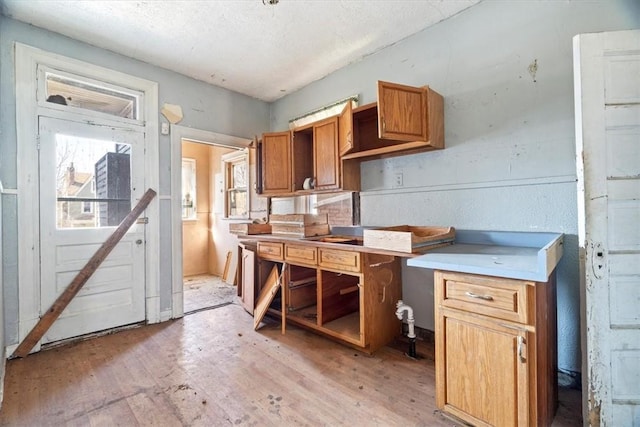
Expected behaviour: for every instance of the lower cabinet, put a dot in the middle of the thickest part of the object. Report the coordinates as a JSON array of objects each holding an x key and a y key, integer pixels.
[
  {"x": 496, "y": 352},
  {"x": 247, "y": 276},
  {"x": 348, "y": 296}
]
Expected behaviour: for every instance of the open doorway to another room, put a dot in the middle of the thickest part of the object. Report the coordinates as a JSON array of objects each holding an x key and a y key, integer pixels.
[{"x": 207, "y": 281}]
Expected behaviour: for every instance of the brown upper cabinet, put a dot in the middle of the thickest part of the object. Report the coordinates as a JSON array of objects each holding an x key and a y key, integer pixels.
[
  {"x": 405, "y": 120},
  {"x": 315, "y": 155},
  {"x": 328, "y": 152},
  {"x": 276, "y": 163}
]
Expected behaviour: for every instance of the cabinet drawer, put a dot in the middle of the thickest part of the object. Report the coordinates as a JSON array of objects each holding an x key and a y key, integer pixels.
[
  {"x": 341, "y": 260},
  {"x": 301, "y": 254},
  {"x": 271, "y": 250},
  {"x": 499, "y": 298},
  {"x": 302, "y": 296}
]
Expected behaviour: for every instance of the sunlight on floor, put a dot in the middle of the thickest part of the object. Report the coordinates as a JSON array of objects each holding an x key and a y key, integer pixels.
[{"x": 205, "y": 290}]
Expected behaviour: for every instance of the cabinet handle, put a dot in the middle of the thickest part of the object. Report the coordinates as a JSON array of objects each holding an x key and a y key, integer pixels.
[
  {"x": 521, "y": 349},
  {"x": 384, "y": 125},
  {"x": 484, "y": 297}
]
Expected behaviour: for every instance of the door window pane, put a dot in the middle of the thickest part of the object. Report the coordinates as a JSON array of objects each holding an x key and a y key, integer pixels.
[{"x": 93, "y": 182}]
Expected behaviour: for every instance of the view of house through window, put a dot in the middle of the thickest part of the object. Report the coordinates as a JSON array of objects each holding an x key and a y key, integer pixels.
[
  {"x": 188, "y": 188},
  {"x": 93, "y": 182},
  {"x": 236, "y": 185}
]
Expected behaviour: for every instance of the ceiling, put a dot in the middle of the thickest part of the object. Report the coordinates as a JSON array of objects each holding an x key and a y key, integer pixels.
[{"x": 253, "y": 47}]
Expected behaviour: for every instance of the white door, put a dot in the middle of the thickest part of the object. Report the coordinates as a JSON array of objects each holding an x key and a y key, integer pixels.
[
  {"x": 91, "y": 176},
  {"x": 607, "y": 84}
]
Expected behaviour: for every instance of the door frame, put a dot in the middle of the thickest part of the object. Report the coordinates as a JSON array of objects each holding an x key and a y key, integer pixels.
[
  {"x": 179, "y": 133},
  {"x": 28, "y": 110}
]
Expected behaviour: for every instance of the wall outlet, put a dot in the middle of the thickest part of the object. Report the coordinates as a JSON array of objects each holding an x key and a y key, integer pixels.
[{"x": 398, "y": 180}]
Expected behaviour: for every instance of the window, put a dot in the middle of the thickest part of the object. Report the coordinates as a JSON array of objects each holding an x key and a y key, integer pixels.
[
  {"x": 188, "y": 188},
  {"x": 236, "y": 183},
  {"x": 93, "y": 182},
  {"x": 81, "y": 92}
]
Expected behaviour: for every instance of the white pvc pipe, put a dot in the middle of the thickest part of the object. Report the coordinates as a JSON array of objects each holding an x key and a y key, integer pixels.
[{"x": 401, "y": 307}]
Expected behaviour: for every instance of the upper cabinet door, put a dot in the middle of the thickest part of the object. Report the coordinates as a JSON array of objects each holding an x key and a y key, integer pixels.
[
  {"x": 345, "y": 130},
  {"x": 402, "y": 112},
  {"x": 326, "y": 158},
  {"x": 276, "y": 163}
]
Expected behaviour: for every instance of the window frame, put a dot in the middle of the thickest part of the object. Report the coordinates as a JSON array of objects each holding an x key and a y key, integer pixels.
[
  {"x": 228, "y": 161},
  {"x": 43, "y": 70}
]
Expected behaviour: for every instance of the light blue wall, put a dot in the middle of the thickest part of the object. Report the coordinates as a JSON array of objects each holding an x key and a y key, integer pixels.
[
  {"x": 204, "y": 106},
  {"x": 509, "y": 161}
]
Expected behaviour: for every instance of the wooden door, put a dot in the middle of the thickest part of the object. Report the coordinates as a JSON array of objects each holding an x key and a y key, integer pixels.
[
  {"x": 402, "y": 112},
  {"x": 91, "y": 176},
  {"x": 607, "y": 105},
  {"x": 326, "y": 160},
  {"x": 276, "y": 163},
  {"x": 485, "y": 380},
  {"x": 345, "y": 130},
  {"x": 248, "y": 279}
]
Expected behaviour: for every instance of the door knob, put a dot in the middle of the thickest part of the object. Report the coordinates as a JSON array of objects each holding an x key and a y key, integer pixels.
[{"x": 139, "y": 242}]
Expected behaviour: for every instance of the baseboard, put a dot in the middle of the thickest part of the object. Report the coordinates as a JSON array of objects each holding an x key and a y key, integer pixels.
[
  {"x": 166, "y": 315},
  {"x": 3, "y": 370},
  {"x": 422, "y": 334},
  {"x": 8, "y": 351},
  {"x": 569, "y": 379}
]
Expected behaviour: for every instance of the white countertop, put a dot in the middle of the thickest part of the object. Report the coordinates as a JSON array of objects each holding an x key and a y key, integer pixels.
[{"x": 516, "y": 255}]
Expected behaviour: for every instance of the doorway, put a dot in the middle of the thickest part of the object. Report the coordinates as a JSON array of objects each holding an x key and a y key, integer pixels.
[
  {"x": 217, "y": 227},
  {"x": 205, "y": 266}
]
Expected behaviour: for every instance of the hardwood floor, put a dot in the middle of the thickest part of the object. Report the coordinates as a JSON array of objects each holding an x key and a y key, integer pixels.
[
  {"x": 211, "y": 368},
  {"x": 205, "y": 291}
]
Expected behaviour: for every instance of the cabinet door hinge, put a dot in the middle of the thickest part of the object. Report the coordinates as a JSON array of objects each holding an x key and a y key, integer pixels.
[{"x": 38, "y": 142}]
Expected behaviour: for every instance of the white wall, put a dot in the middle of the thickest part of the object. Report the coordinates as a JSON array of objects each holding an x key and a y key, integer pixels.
[
  {"x": 205, "y": 107},
  {"x": 505, "y": 71}
]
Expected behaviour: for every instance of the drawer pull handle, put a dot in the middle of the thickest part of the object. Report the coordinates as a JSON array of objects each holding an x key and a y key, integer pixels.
[
  {"x": 484, "y": 297},
  {"x": 521, "y": 344}
]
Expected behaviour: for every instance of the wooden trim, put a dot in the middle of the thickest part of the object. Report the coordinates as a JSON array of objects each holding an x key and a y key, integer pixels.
[
  {"x": 81, "y": 278},
  {"x": 28, "y": 109}
]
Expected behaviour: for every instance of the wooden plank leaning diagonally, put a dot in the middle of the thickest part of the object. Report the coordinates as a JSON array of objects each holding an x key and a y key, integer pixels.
[
  {"x": 227, "y": 264},
  {"x": 81, "y": 278}
]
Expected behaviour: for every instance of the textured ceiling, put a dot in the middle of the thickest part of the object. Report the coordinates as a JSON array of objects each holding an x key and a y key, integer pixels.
[{"x": 262, "y": 50}]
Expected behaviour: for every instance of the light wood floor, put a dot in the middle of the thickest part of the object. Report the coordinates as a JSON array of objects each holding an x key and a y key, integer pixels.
[
  {"x": 205, "y": 291},
  {"x": 211, "y": 369}
]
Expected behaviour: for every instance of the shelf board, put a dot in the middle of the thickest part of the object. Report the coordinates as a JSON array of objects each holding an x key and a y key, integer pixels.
[
  {"x": 346, "y": 327},
  {"x": 416, "y": 145}
]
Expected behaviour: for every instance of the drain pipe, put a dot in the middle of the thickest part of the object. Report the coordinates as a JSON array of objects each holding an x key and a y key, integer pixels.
[{"x": 401, "y": 307}]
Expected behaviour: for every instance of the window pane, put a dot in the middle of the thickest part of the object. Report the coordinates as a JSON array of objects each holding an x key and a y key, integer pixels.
[
  {"x": 238, "y": 205},
  {"x": 188, "y": 189},
  {"x": 239, "y": 175},
  {"x": 77, "y": 93},
  {"x": 93, "y": 182}
]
